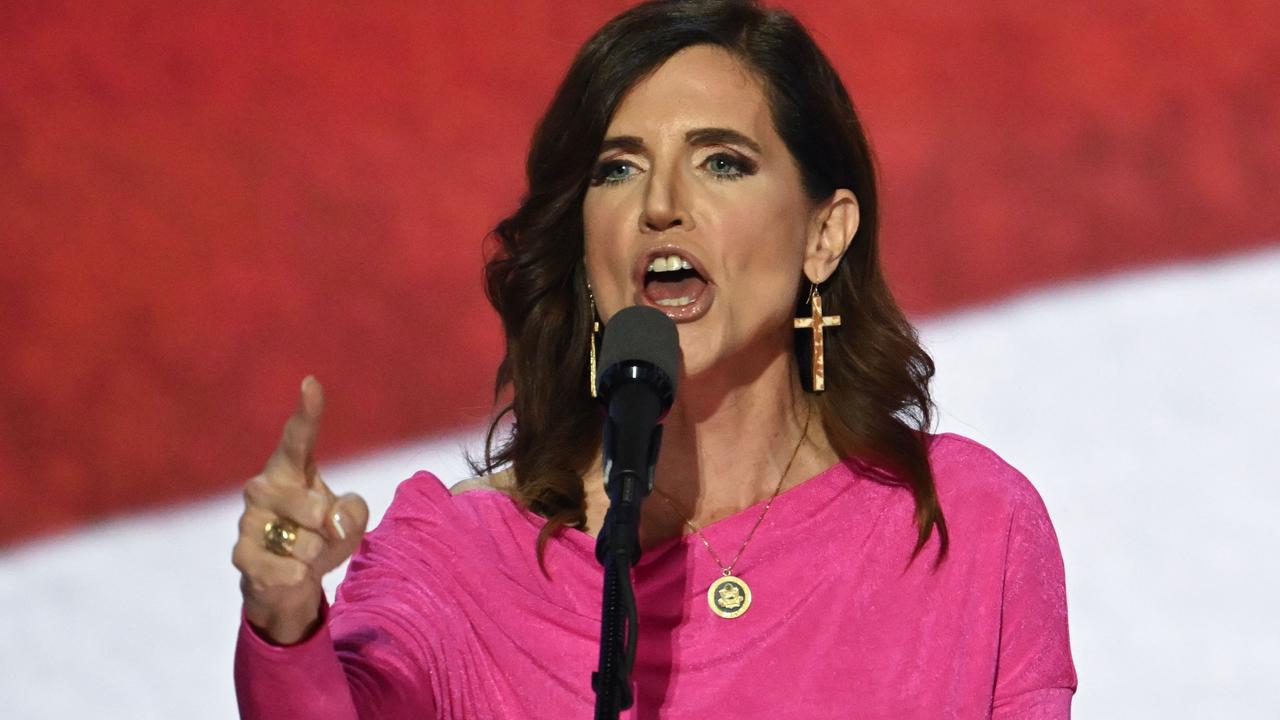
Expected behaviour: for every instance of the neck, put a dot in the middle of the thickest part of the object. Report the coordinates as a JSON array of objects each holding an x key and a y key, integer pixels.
[{"x": 725, "y": 447}]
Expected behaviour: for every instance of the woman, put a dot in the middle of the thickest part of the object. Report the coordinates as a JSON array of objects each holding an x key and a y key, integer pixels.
[{"x": 702, "y": 158}]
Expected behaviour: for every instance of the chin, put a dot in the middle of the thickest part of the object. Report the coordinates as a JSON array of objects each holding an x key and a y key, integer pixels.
[{"x": 704, "y": 351}]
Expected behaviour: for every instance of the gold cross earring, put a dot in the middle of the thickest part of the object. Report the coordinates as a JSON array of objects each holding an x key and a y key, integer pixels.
[{"x": 817, "y": 322}]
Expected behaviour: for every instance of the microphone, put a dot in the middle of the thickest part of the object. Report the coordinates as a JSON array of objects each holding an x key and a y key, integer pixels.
[{"x": 640, "y": 356}]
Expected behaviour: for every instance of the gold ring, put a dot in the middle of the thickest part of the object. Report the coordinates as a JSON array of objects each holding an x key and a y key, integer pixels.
[{"x": 279, "y": 536}]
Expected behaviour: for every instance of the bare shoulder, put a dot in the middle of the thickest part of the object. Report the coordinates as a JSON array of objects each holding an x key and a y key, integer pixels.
[{"x": 503, "y": 481}]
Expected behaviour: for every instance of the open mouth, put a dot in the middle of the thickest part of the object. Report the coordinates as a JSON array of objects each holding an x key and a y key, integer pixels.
[{"x": 673, "y": 284}]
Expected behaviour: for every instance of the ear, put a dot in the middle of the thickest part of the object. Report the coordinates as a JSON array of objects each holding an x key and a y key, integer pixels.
[{"x": 831, "y": 230}]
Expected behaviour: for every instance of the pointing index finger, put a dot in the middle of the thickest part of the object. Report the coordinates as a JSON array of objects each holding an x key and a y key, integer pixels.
[{"x": 297, "y": 444}]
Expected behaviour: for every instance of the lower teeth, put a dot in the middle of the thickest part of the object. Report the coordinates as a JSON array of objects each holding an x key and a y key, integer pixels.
[{"x": 675, "y": 302}]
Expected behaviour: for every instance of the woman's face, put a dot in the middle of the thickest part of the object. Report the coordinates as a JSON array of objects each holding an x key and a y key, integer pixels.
[{"x": 696, "y": 207}]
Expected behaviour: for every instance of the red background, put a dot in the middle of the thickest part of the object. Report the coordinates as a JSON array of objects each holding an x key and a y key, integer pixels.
[{"x": 202, "y": 202}]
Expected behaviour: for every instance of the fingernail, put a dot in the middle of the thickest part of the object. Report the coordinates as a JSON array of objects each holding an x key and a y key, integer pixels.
[{"x": 337, "y": 525}]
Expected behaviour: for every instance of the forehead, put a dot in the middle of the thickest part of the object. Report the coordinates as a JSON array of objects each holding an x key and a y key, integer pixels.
[{"x": 700, "y": 86}]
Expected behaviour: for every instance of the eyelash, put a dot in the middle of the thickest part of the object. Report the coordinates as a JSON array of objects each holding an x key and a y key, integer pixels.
[
  {"x": 600, "y": 175},
  {"x": 742, "y": 167}
]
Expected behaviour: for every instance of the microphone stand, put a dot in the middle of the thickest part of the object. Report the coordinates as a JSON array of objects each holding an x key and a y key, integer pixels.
[{"x": 629, "y": 479}]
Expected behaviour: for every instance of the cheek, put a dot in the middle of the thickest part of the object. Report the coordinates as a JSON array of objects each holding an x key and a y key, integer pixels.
[
  {"x": 606, "y": 262},
  {"x": 765, "y": 243},
  {"x": 763, "y": 263}
]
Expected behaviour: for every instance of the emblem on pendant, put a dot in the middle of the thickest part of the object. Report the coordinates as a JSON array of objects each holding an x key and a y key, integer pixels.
[{"x": 729, "y": 597}]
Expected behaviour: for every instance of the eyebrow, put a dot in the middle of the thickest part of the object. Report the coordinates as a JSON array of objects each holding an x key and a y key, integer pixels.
[
  {"x": 721, "y": 136},
  {"x": 697, "y": 136}
]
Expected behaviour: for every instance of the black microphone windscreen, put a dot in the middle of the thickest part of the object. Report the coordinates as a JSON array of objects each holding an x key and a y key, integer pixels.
[{"x": 643, "y": 333}]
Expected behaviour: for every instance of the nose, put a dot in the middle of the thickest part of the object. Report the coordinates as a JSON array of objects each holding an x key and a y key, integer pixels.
[{"x": 664, "y": 202}]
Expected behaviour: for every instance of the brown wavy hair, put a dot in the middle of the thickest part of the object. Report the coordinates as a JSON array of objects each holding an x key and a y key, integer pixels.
[{"x": 876, "y": 409}]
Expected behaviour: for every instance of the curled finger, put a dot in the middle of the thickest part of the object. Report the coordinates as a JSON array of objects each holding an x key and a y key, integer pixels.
[
  {"x": 260, "y": 527},
  {"x": 267, "y": 573},
  {"x": 306, "y": 507}
]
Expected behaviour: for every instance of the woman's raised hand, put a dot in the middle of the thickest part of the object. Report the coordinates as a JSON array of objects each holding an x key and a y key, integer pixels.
[{"x": 281, "y": 586}]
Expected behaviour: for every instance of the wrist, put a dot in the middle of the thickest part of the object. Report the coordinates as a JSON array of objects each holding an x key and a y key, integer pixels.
[{"x": 285, "y": 625}]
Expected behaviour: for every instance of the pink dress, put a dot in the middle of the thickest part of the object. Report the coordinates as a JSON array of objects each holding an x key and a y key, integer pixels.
[{"x": 444, "y": 612}]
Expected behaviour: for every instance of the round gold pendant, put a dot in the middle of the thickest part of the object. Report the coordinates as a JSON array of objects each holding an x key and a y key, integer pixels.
[{"x": 729, "y": 597}]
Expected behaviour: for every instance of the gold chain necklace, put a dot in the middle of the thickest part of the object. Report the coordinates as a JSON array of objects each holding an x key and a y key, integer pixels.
[{"x": 730, "y": 596}]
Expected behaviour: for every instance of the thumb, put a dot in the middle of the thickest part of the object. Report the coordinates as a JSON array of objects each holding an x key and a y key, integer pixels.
[{"x": 346, "y": 524}]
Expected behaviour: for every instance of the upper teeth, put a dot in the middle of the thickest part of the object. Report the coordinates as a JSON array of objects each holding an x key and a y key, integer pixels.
[{"x": 669, "y": 263}]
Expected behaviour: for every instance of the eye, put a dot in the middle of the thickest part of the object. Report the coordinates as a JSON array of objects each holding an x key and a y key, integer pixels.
[
  {"x": 726, "y": 166},
  {"x": 612, "y": 172}
]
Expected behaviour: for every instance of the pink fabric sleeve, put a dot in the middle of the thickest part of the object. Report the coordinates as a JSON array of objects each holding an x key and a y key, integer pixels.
[
  {"x": 1035, "y": 676},
  {"x": 302, "y": 681},
  {"x": 360, "y": 675}
]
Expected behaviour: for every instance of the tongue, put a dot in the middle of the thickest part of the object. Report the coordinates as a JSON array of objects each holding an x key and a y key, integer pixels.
[{"x": 687, "y": 287}]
